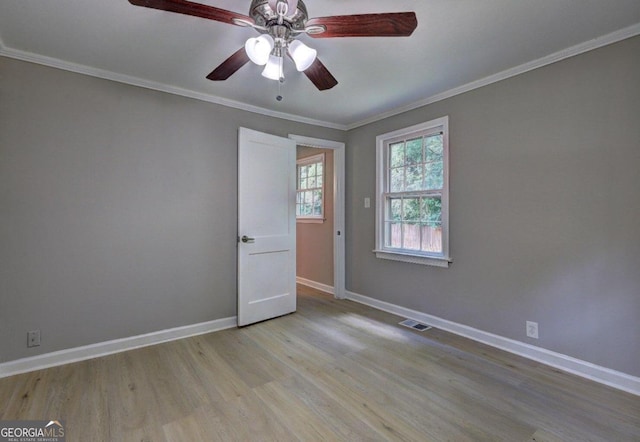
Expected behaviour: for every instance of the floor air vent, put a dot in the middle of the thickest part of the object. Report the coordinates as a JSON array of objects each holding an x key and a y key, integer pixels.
[{"x": 415, "y": 325}]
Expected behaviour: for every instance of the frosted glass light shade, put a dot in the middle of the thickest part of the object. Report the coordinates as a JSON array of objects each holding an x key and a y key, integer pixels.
[
  {"x": 303, "y": 56},
  {"x": 259, "y": 48},
  {"x": 273, "y": 68}
]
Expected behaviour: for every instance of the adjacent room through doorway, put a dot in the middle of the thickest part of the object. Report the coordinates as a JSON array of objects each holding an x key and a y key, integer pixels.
[{"x": 315, "y": 218}]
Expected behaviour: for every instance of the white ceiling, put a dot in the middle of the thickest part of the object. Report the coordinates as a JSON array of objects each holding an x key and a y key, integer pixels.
[{"x": 457, "y": 42}]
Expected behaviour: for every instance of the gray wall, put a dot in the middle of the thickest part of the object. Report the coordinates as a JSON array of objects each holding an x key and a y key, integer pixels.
[
  {"x": 117, "y": 208},
  {"x": 545, "y": 210},
  {"x": 314, "y": 251}
]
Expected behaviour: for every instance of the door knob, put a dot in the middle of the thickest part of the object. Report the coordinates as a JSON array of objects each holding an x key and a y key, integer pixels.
[{"x": 246, "y": 239}]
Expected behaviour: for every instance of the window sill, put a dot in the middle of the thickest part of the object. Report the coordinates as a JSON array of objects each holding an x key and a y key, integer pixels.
[
  {"x": 310, "y": 220},
  {"x": 413, "y": 259}
]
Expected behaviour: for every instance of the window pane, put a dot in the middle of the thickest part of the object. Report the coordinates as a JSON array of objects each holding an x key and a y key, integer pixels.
[
  {"x": 397, "y": 154},
  {"x": 413, "y": 177},
  {"x": 431, "y": 211},
  {"x": 434, "y": 175},
  {"x": 304, "y": 171},
  {"x": 319, "y": 181},
  {"x": 308, "y": 197},
  {"x": 414, "y": 151},
  {"x": 317, "y": 203},
  {"x": 434, "y": 148},
  {"x": 431, "y": 239},
  {"x": 411, "y": 236},
  {"x": 397, "y": 180},
  {"x": 393, "y": 237},
  {"x": 395, "y": 209},
  {"x": 311, "y": 182},
  {"x": 318, "y": 168},
  {"x": 411, "y": 209},
  {"x": 312, "y": 169}
]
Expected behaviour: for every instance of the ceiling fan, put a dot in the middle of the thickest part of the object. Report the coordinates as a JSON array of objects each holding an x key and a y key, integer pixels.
[{"x": 280, "y": 23}]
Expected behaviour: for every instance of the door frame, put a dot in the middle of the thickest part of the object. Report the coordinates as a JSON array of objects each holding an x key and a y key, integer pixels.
[{"x": 338, "y": 206}]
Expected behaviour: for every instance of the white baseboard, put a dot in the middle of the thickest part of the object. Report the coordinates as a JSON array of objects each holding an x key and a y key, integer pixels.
[
  {"x": 603, "y": 375},
  {"x": 316, "y": 285},
  {"x": 109, "y": 347}
]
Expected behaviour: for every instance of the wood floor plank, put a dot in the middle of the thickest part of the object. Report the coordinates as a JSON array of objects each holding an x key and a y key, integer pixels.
[
  {"x": 335, "y": 370},
  {"x": 249, "y": 419},
  {"x": 14, "y": 399},
  {"x": 253, "y": 364},
  {"x": 290, "y": 349},
  {"x": 88, "y": 401},
  {"x": 415, "y": 398},
  {"x": 301, "y": 421},
  {"x": 340, "y": 419},
  {"x": 379, "y": 416},
  {"x": 214, "y": 373}
]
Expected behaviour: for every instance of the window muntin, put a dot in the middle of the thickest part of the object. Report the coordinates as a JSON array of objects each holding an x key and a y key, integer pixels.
[
  {"x": 310, "y": 188},
  {"x": 413, "y": 193}
]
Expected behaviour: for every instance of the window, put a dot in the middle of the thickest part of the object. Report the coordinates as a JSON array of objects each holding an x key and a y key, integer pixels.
[
  {"x": 310, "y": 189},
  {"x": 413, "y": 194}
]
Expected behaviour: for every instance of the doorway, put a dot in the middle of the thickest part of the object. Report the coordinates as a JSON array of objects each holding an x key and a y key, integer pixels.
[
  {"x": 331, "y": 280},
  {"x": 314, "y": 218}
]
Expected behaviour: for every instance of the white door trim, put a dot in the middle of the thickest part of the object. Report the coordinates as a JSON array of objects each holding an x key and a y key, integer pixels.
[{"x": 338, "y": 206}]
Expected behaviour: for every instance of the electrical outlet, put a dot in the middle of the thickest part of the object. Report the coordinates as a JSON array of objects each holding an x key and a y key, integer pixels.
[
  {"x": 367, "y": 203},
  {"x": 33, "y": 338},
  {"x": 532, "y": 329}
]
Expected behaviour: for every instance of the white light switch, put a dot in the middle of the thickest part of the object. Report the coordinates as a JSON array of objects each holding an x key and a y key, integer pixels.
[{"x": 367, "y": 203}]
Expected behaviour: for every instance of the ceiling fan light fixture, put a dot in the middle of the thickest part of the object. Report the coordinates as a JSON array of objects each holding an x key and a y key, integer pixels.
[
  {"x": 273, "y": 69},
  {"x": 303, "y": 56},
  {"x": 259, "y": 48}
]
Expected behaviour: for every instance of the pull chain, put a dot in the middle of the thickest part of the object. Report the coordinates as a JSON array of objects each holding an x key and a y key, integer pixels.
[{"x": 279, "y": 96}]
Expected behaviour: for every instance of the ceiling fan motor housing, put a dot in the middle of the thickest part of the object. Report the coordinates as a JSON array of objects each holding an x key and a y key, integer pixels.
[{"x": 264, "y": 16}]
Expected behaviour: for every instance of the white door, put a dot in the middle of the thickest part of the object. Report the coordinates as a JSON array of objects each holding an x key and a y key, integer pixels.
[{"x": 266, "y": 226}]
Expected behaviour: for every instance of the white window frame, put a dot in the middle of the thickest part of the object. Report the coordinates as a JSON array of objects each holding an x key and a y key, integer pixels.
[
  {"x": 382, "y": 182},
  {"x": 319, "y": 158}
]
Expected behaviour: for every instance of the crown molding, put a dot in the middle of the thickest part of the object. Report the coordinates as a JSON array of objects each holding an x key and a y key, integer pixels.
[
  {"x": 614, "y": 37},
  {"x": 153, "y": 85},
  {"x": 572, "y": 51}
]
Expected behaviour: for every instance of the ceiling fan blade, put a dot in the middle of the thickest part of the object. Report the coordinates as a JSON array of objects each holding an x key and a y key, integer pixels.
[
  {"x": 393, "y": 24},
  {"x": 320, "y": 76},
  {"x": 191, "y": 8},
  {"x": 229, "y": 66}
]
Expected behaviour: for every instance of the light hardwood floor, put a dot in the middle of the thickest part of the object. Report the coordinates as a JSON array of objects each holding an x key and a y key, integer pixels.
[{"x": 335, "y": 370}]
